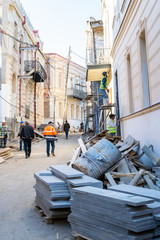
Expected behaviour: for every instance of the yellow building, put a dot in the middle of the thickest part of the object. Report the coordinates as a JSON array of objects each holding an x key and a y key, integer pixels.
[{"x": 56, "y": 105}]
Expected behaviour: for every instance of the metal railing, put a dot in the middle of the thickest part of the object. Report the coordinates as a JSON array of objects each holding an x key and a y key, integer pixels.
[
  {"x": 29, "y": 65},
  {"x": 98, "y": 55},
  {"x": 73, "y": 92}
]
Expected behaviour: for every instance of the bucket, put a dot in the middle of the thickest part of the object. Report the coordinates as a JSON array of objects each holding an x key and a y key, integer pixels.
[{"x": 98, "y": 159}]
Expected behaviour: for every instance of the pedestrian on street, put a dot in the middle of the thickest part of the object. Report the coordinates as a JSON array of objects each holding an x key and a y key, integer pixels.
[
  {"x": 66, "y": 128},
  {"x": 111, "y": 125},
  {"x": 103, "y": 88},
  {"x": 19, "y": 134},
  {"x": 81, "y": 126},
  {"x": 50, "y": 135},
  {"x": 3, "y": 134},
  {"x": 27, "y": 134}
]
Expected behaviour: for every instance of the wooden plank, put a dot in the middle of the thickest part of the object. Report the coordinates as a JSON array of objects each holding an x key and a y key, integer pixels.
[
  {"x": 133, "y": 170},
  {"x": 75, "y": 156},
  {"x": 154, "y": 158},
  {"x": 83, "y": 147},
  {"x": 150, "y": 183},
  {"x": 1, "y": 160},
  {"x": 123, "y": 167},
  {"x": 110, "y": 179},
  {"x": 137, "y": 177},
  {"x": 118, "y": 175}
]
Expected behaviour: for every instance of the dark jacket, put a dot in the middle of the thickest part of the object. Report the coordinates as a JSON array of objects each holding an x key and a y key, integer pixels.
[
  {"x": 66, "y": 127},
  {"x": 20, "y": 130},
  {"x": 27, "y": 132}
]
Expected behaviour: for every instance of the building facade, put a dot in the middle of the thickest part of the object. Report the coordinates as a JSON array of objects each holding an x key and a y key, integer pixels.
[
  {"x": 136, "y": 68},
  {"x": 22, "y": 68},
  {"x": 56, "y": 104}
]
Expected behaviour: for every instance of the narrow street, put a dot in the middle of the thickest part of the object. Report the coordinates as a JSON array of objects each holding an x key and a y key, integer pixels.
[{"x": 18, "y": 218}]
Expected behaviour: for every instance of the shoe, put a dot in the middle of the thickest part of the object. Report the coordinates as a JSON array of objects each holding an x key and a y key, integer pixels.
[
  {"x": 48, "y": 155},
  {"x": 26, "y": 156},
  {"x": 53, "y": 154}
]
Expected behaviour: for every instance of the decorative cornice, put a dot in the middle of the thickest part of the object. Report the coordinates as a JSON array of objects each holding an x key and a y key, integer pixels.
[{"x": 150, "y": 109}]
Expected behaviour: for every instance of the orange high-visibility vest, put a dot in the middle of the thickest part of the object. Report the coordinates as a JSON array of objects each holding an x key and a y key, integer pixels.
[{"x": 49, "y": 132}]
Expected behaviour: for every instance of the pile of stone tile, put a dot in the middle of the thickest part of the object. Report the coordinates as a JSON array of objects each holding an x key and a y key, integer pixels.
[
  {"x": 100, "y": 214},
  {"x": 54, "y": 186},
  {"x": 52, "y": 195}
]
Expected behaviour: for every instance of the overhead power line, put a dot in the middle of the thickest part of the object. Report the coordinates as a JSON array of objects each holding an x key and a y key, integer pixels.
[
  {"x": 16, "y": 39},
  {"x": 78, "y": 55}
]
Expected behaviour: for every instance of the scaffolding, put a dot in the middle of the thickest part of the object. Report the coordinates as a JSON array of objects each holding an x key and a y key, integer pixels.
[{"x": 96, "y": 114}]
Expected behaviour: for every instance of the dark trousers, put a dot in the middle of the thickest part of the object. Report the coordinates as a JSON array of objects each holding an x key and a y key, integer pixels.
[
  {"x": 21, "y": 143},
  {"x": 3, "y": 142},
  {"x": 66, "y": 132},
  {"x": 50, "y": 142},
  {"x": 27, "y": 146}
]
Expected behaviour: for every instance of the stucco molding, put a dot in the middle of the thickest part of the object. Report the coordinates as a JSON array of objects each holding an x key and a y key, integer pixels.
[{"x": 150, "y": 109}]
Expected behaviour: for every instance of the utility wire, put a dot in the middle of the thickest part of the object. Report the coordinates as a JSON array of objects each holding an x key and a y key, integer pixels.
[
  {"x": 7, "y": 34},
  {"x": 78, "y": 55}
]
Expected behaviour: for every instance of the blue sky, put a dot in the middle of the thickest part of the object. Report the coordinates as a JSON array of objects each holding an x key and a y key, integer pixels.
[{"x": 62, "y": 23}]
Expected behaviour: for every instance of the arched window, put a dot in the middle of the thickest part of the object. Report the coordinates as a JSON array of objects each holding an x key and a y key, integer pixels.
[{"x": 14, "y": 83}]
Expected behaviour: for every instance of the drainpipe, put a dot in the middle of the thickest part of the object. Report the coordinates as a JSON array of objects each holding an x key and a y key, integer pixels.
[{"x": 35, "y": 55}]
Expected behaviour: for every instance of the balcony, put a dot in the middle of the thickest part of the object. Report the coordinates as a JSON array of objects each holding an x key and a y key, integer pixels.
[
  {"x": 98, "y": 61},
  {"x": 39, "y": 75},
  {"x": 98, "y": 56},
  {"x": 76, "y": 93}
]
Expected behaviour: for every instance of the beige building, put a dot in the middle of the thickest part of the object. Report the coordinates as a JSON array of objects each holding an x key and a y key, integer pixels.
[
  {"x": 136, "y": 68},
  {"x": 22, "y": 68},
  {"x": 55, "y": 89}
]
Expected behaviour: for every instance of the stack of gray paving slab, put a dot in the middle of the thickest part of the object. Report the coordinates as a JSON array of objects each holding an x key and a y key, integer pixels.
[
  {"x": 54, "y": 189},
  {"x": 52, "y": 195},
  {"x": 100, "y": 214},
  {"x": 74, "y": 178},
  {"x": 144, "y": 192}
]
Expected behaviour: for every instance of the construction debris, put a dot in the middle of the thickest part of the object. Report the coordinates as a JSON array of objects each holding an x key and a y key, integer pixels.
[
  {"x": 115, "y": 215},
  {"x": 97, "y": 159},
  {"x": 54, "y": 189},
  {"x": 129, "y": 205},
  {"x": 6, "y": 153}
]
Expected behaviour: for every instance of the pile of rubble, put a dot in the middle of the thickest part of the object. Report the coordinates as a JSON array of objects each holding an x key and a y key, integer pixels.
[
  {"x": 112, "y": 190},
  {"x": 5, "y": 153},
  {"x": 127, "y": 167}
]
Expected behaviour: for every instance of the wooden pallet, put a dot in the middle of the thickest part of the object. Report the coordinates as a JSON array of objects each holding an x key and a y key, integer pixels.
[
  {"x": 77, "y": 236},
  {"x": 48, "y": 220}
]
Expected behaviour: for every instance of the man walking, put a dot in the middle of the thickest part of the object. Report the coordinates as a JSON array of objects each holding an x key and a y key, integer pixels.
[
  {"x": 19, "y": 134},
  {"x": 27, "y": 134},
  {"x": 3, "y": 134},
  {"x": 50, "y": 135},
  {"x": 66, "y": 128}
]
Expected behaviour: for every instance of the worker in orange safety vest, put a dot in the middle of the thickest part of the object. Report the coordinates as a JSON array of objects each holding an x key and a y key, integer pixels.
[{"x": 50, "y": 135}]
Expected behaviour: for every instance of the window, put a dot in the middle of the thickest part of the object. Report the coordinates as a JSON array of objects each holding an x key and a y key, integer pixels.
[
  {"x": 15, "y": 35},
  {"x": 144, "y": 69},
  {"x": 71, "y": 82},
  {"x": 129, "y": 84},
  {"x": 60, "y": 81},
  {"x": 72, "y": 111},
  {"x": 77, "y": 111},
  {"x": 67, "y": 110},
  {"x": 60, "y": 110},
  {"x": 14, "y": 83},
  {"x": 82, "y": 113}
]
